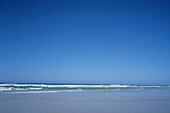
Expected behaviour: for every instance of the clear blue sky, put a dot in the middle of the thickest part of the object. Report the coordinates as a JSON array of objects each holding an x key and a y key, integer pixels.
[{"x": 85, "y": 41}]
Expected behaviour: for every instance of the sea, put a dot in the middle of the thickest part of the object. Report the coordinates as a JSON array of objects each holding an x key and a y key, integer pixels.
[{"x": 58, "y": 88}]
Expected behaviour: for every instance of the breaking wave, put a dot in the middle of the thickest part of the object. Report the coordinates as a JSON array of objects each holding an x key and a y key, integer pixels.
[{"x": 54, "y": 88}]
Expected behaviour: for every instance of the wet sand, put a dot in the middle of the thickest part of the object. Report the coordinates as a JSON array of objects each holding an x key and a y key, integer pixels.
[
  {"x": 16, "y": 99},
  {"x": 148, "y": 101}
]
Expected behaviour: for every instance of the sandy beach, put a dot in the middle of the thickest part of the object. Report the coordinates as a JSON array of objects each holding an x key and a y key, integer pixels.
[{"x": 148, "y": 101}]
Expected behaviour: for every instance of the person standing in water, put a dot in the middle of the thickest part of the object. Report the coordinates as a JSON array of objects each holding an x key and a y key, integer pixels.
[{"x": 106, "y": 90}]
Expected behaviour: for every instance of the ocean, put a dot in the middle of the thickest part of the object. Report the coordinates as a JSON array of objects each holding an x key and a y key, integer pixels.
[{"x": 56, "y": 88}]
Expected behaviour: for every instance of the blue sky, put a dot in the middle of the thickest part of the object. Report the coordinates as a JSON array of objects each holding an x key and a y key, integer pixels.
[{"x": 85, "y": 41}]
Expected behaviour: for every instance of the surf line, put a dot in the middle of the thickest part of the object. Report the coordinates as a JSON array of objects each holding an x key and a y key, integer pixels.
[{"x": 16, "y": 99}]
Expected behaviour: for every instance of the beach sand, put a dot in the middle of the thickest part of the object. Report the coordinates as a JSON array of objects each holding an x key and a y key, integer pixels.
[{"x": 142, "y": 101}]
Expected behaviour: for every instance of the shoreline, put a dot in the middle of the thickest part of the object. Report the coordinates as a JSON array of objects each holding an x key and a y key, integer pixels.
[{"x": 16, "y": 99}]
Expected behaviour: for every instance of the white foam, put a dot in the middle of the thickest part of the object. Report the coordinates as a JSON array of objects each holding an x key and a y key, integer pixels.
[
  {"x": 22, "y": 85},
  {"x": 60, "y": 91},
  {"x": 27, "y": 89},
  {"x": 34, "y": 88},
  {"x": 67, "y": 86},
  {"x": 72, "y": 86},
  {"x": 56, "y": 91},
  {"x": 32, "y": 92},
  {"x": 5, "y": 89}
]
